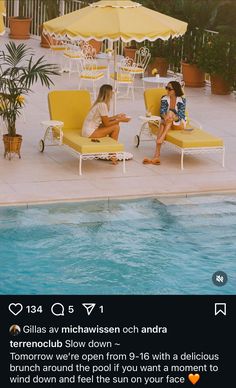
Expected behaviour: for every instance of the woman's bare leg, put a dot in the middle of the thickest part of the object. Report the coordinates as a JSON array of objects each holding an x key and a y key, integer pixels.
[
  {"x": 157, "y": 153},
  {"x": 158, "y": 145},
  {"x": 164, "y": 128},
  {"x": 161, "y": 129},
  {"x": 112, "y": 131},
  {"x": 169, "y": 117},
  {"x": 168, "y": 125}
]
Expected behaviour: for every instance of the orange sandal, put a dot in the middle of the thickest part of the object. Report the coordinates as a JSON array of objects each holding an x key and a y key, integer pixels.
[
  {"x": 113, "y": 159},
  {"x": 154, "y": 161},
  {"x": 147, "y": 161}
]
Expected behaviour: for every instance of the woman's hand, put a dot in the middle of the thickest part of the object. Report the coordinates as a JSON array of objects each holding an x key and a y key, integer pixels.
[
  {"x": 125, "y": 119},
  {"x": 116, "y": 117},
  {"x": 121, "y": 117}
]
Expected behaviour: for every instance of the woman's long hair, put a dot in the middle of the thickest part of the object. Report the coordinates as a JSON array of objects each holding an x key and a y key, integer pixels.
[
  {"x": 104, "y": 95},
  {"x": 177, "y": 88}
]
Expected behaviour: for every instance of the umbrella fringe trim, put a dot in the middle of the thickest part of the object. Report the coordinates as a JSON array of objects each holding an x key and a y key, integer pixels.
[{"x": 66, "y": 36}]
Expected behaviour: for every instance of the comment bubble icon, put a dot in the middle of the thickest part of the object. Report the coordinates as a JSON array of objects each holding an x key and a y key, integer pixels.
[{"x": 58, "y": 309}]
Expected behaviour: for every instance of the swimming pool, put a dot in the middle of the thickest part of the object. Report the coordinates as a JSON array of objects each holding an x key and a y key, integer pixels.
[{"x": 145, "y": 246}]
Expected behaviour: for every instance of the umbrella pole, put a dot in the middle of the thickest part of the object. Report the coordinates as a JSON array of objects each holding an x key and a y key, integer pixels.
[{"x": 115, "y": 79}]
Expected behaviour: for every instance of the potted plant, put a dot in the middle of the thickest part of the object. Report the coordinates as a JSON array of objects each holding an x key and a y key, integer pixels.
[
  {"x": 193, "y": 76},
  {"x": 160, "y": 57},
  {"x": 130, "y": 50},
  {"x": 52, "y": 8},
  {"x": 20, "y": 25},
  {"x": 18, "y": 72},
  {"x": 218, "y": 58},
  {"x": 96, "y": 44}
]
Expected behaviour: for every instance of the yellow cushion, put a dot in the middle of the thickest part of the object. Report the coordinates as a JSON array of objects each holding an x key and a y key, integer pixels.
[
  {"x": 84, "y": 145},
  {"x": 192, "y": 139},
  {"x": 122, "y": 77},
  {"x": 101, "y": 67},
  {"x": 133, "y": 69},
  {"x": 57, "y": 48},
  {"x": 152, "y": 99},
  {"x": 69, "y": 106},
  {"x": 72, "y": 54},
  {"x": 94, "y": 76}
]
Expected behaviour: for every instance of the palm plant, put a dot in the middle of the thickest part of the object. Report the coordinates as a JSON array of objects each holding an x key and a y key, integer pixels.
[{"x": 18, "y": 72}]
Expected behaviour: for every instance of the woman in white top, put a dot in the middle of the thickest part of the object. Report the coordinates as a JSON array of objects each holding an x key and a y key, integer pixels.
[{"x": 98, "y": 123}]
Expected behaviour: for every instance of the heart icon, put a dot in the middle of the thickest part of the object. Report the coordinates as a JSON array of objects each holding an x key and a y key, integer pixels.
[
  {"x": 194, "y": 378},
  {"x": 15, "y": 308}
]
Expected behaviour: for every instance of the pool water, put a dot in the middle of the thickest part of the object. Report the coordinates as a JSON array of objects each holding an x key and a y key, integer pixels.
[{"x": 146, "y": 246}]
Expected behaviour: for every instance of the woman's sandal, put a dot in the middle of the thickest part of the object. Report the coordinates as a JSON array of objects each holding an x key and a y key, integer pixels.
[
  {"x": 154, "y": 161},
  {"x": 113, "y": 159},
  {"x": 147, "y": 161}
]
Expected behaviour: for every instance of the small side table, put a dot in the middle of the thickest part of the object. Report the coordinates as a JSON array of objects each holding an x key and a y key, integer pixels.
[
  {"x": 145, "y": 120},
  {"x": 53, "y": 134},
  {"x": 161, "y": 82}
]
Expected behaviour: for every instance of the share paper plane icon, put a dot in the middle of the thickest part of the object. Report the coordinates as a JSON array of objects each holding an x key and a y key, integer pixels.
[{"x": 89, "y": 307}]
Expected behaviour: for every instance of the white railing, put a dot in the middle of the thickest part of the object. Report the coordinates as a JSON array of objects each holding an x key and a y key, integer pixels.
[{"x": 72, "y": 6}]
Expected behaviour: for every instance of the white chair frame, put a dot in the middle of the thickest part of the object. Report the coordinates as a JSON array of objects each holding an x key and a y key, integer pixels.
[
  {"x": 89, "y": 72},
  {"x": 145, "y": 134},
  {"x": 138, "y": 66},
  {"x": 124, "y": 69},
  {"x": 142, "y": 58},
  {"x": 72, "y": 55},
  {"x": 57, "y": 49}
]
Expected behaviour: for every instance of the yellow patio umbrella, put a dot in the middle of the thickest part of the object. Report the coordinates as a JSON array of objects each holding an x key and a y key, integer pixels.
[
  {"x": 2, "y": 13},
  {"x": 114, "y": 20}
]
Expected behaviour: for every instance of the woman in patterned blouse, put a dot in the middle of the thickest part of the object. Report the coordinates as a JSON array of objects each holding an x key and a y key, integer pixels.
[{"x": 172, "y": 112}]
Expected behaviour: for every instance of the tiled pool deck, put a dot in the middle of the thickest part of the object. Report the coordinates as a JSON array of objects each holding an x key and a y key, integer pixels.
[{"x": 53, "y": 175}]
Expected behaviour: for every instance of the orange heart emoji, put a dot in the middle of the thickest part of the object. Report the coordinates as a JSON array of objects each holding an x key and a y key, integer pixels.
[{"x": 194, "y": 378}]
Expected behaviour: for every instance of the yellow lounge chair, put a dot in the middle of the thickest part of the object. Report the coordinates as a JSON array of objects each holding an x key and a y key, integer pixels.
[
  {"x": 70, "y": 107},
  {"x": 195, "y": 141}
]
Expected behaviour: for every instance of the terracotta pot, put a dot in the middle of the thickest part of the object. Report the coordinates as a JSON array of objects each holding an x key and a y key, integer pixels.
[
  {"x": 219, "y": 85},
  {"x": 192, "y": 75},
  {"x": 159, "y": 63},
  {"x": 46, "y": 40},
  {"x": 19, "y": 28},
  {"x": 12, "y": 145},
  {"x": 130, "y": 52},
  {"x": 96, "y": 45}
]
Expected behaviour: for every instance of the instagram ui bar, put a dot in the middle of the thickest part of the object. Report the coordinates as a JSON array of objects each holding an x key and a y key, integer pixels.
[{"x": 127, "y": 341}]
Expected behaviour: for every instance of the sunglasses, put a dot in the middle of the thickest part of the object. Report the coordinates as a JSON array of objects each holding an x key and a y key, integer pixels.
[
  {"x": 95, "y": 140},
  {"x": 169, "y": 88}
]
